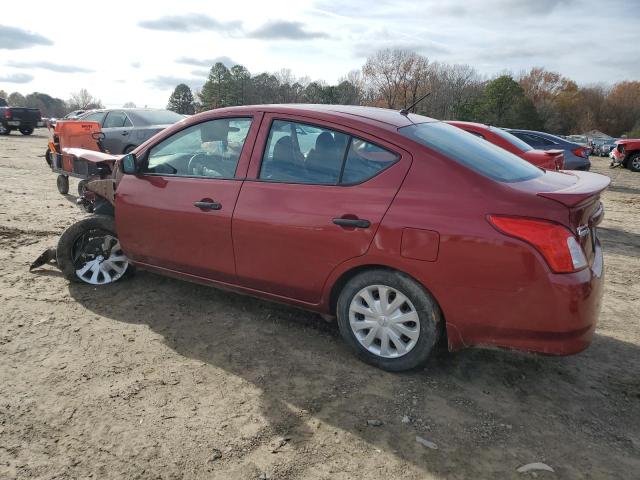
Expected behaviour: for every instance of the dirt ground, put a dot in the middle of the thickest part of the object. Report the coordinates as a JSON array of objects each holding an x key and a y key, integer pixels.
[{"x": 157, "y": 378}]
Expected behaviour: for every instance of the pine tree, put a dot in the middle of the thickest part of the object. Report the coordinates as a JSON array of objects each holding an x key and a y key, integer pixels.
[{"x": 181, "y": 100}]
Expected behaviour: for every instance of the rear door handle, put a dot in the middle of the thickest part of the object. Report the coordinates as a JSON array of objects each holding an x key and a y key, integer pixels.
[
  {"x": 207, "y": 205},
  {"x": 352, "y": 222}
]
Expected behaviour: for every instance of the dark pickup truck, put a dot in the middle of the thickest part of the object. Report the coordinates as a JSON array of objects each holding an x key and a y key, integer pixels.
[{"x": 18, "y": 118}]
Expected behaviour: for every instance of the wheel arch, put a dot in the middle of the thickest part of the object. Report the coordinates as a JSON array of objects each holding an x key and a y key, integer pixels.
[{"x": 344, "y": 277}]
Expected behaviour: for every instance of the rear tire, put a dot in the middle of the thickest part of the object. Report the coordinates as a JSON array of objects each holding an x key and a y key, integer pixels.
[
  {"x": 4, "y": 130},
  {"x": 400, "y": 338},
  {"x": 82, "y": 187},
  {"x": 129, "y": 149},
  {"x": 26, "y": 130},
  {"x": 63, "y": 184},
  {"x": 92, "y": 245},
  {"x": 633, "y": 163}
]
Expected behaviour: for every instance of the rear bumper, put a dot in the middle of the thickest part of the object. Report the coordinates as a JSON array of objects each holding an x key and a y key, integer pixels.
[{"x": 560, "y": 322}]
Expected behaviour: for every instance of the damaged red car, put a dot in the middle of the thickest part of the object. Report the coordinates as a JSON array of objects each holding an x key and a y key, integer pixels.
[{"x": 407, "y": 230}]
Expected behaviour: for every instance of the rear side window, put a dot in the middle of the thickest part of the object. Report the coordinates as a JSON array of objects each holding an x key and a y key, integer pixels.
[
  {"x": 301, "y": 153},
  {"x": 483, "y": 157}
]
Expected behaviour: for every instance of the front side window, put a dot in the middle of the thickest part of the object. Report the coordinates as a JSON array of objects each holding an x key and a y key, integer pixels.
[
  {"x": 115, "y": 120},
  {"x": 301, "y": 153},
  {"x": 209, "y": 149},
  {"x": 94, "y": 117},
  {"x": 481, "y": 156}
]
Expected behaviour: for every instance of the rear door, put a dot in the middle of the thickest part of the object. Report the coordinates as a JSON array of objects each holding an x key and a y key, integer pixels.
[
  {"x": 176, "y": 214},
  {"x": 313, "y": 199},
  {"x": 116, "y": 128}
]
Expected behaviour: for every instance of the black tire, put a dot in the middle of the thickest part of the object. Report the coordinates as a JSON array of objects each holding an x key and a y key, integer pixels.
[
  {"x": 47, "y": 157},
  {"x": 129, "y": 149},
  {"x": 633, "y": 162},
  {"x": 425, "y": 305},
  {"x": 68, "y": 239},
  {"x": 82, "y": 186},
  {"x": 63, "y": 184},
  {"x": 26, "y": 130},
  {"x": 4, "y": 130}
]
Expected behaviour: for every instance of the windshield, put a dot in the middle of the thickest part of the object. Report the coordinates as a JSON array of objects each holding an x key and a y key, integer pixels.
[
  {"x": 156, "y": 117},
  {"x": 471, "y": 151},
  {"x": 512, "y": 139}
]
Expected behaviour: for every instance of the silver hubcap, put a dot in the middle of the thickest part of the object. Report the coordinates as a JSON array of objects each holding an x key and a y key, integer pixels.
[
  {"x": 101, "y": 270},
  {"x": 384, "y": 321},
  {"x": 635, "y": 162}
]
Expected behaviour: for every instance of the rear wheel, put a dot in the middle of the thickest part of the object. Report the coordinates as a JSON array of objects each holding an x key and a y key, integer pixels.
[
  {"x": 82, "y": 187},
  {"x": 4, "y": 130},
  {"x": 129, "y": 149},
  {"x": 63, "y": 184},
  {"x": 26, "y": 130},
  {"x": 633, "y": 163},
  {"x": 89, "y": 252},
  {"x": 388, "y": 319}
]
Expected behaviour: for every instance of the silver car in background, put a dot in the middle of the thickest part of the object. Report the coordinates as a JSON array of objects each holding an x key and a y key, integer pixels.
[{"x": 126, "y": 128}]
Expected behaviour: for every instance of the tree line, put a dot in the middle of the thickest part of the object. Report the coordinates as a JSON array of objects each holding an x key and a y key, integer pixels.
[{"x": 537, "y": 99}]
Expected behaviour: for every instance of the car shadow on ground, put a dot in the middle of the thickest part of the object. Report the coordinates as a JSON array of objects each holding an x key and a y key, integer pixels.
[
  {"x": 488, "y": 411},
  {"x": 619, "y": 242}
]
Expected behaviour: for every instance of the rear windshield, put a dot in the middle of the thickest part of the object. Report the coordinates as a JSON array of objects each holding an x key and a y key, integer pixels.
[
  {"x": 471, "y": 151},
  {"x": 155, "y": 117},
  {"x": 512, "y": 139}
]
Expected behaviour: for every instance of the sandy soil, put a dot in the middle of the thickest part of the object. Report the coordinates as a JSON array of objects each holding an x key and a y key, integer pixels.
[{"x": 156, "y": 378}]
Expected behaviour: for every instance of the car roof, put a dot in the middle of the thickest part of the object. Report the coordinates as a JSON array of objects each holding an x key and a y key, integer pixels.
[{"x": 384, "y": 117}]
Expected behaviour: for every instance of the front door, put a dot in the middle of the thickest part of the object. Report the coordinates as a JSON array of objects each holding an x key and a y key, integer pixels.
[
  {"x": 176, "y": 214},
  {"x": 117, "y": 129},
  {"x": 314, "y": 198}
]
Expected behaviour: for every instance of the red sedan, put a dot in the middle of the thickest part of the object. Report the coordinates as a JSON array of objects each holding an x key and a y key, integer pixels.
[
  {"x": 549, "y": 159},
  {"x": 404, "y": 228}
]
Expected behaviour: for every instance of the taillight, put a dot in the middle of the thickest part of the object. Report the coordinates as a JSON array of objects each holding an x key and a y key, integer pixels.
[
  {"x": 557, "y": 244},
  {"x": 7, "y": 114},
  {"x": 580, "y": 152}
]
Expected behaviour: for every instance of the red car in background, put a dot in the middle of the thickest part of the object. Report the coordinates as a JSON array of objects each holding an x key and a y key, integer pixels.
[
  {"x": 548, "y": 159},
  {"x": 404, "y": 228},
  {"x": 627, "y": 154}
]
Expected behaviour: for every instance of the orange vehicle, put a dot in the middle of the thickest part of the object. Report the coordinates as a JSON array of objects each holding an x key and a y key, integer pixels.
[{"x": 67, "y": 154}]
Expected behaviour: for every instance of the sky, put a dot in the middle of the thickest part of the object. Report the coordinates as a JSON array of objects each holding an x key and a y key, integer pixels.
[{"x": 133, "y": 51}]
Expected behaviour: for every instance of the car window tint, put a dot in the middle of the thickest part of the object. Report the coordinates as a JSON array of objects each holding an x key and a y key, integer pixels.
[
  {"x": 127, "y": 121},
  {"x": 512, "y": 139},
  {"x": 365, "y": 160},
  {"x": 543, "y": 141},
  {"x": 94, "y": 117},
  {"x": 474, "y": 153},
  {"x": 114, "y": 120},
  {"x": 300, "y": 153},
  {"x": 209, "y": 149}
]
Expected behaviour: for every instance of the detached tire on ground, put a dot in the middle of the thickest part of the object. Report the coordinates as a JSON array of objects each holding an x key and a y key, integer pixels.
[
  {"x": 388, "y": 319},
  {"x": 89, "y": 252},
  {"x": 633, "y": 163}
]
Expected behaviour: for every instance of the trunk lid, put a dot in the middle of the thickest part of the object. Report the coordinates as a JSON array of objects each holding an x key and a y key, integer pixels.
[
  {"x": 576, "y": 193},
  {"x": 586, "y": 211}
]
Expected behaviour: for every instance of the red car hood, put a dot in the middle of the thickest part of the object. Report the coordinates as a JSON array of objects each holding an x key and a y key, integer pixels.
[{"x": 547, "y": 159}]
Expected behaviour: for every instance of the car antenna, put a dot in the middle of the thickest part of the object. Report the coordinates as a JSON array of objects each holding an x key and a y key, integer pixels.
[{"x": 405, "y": 111}]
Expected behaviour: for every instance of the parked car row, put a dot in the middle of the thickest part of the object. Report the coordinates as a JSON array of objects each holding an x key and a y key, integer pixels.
[{"x": 408, "y": 230}]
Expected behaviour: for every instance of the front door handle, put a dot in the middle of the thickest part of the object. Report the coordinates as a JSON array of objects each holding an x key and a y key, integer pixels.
[
  {"x": 124, "y": 133},
  {"x": 207, "y": 205},
  {"x": 352, "y": 222}
]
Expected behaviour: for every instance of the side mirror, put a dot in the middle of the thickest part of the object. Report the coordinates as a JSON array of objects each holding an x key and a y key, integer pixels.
[{"x": 129, "y": 164}]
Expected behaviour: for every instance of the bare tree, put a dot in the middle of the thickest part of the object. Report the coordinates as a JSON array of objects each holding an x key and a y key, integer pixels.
[
  {"x": 83, "y": 100},
  {"x": 129, "y": 105}
]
